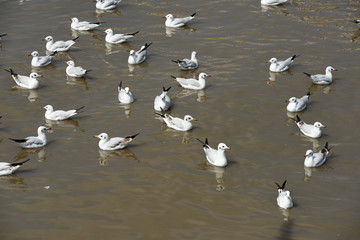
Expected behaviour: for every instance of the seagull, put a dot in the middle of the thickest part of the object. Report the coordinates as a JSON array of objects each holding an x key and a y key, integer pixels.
[
  {"x": 106, "y": 4},
  {"x": 191, "y": 83},
  {"x": 2, "y": 35},
  {"x": 215, "y": 157},
  {"x": 73, "y": 71},
  {"x": 41, "y": 61},
  {"x": 60, "y": 114},
  {"x": 117, "y": 38},
  {"x": 32, "y": 141},
  {"x": 322, "y": 78},
  {"x": 188, "y": 64},
  {"x": 83, "y": 25},
  {"x": 177, "y": 123},
  {"x": 125, "y": 96},
  {"x": 139, "y": 56},
  {"x": 177, "y": 22},
  {"x": 284, "y": 199},
  {"x": 310, "y": 130},
  {"x": 114, "y": 143},
  {"x": 297, "y": 104},
  {"x": 58, "y": 46},
  {"x": 280, "y": 66},
  {"x": 273, "y": 2},
  {"x": 162, "y": 101},
  {"x": 9, "y": 168},
  {"x": 24, "y": 81},
  {"x": 316, "y": 159}
]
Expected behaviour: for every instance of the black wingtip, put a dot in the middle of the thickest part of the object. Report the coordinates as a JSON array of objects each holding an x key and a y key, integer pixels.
[
  {"x": 278, "y": 186},
  {"x": 54, "y": 53},
  {"x": 20, "y": 163},
  {"x": 10, "y": 71},
  {"x": 307, "y": 74},
  {"x": 161, "y": 115},
  {"x": 282, "y": 186},
  {"x": 133, "y": 136},
  {"x": 166, "y": 90},
  {"x": 98, "y": 23},
  {"x": 308, "y": 94},
  {"x": 175, "y": 61},
  {"x": 192, "y": 15},
  {"x": 204, "y": 144},
  {"x": 18, "y": 140},
  {"x": 120, "y": 84},
  {"x": 297, "y": 118},
  {"x": 134, "y": 33},
  {"x": 74, "y": 39},
  {"x": 3, "y": 35},
  {"x": 78, "y": 109},
  {"x": 172, "y": 76},
  {"x": 295, "y": 56}
]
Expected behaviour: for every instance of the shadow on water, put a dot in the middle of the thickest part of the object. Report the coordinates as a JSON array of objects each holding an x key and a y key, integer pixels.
[{"x": 286, "y": 230}]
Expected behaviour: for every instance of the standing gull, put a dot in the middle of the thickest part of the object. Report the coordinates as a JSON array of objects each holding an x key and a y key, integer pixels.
[
  {"x": 188, "y": 64},
  {"x": 177, "y": 22},
  {"x": 24, "y": 81},
  {"x": 34, "y": 141},
  {"x": 324, "y": 79},
  {"x": 217, "y": 156}
]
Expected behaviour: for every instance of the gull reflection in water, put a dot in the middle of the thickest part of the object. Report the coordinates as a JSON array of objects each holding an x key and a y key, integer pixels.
[
  {"x": 127, "y": 109},
  {"x": 326, "y": 89},
  {"x": 281, "y": 7},
  {"x": 25, "y": 153},
  {"x": 285, "y": 213},
  {"x": 100, "y": 12},
  {"x": 109, "y": 47},
  {"x": 68, "y": 123},
  {"x": 13, "y": 179},
  {"x": 33, "y": 93},
  {"x": 77, "y": 81},
  {"x": 286, "y": 230},
  {"x": 123, "y": 153},
  {"x": 170, "y": 31},
  {"x": 133, "y": 67},
  {"x": 219, "y": 175},
  {"x": 201, "y": 97}
]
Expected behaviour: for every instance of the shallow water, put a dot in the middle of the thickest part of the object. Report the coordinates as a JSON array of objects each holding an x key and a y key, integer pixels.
[{"x": 160, "y": 186}]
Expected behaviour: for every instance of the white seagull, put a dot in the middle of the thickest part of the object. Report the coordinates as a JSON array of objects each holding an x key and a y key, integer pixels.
[
  {"x": 162, "y": 101},
  {"x": 322, "y": 78},
  {"x": 83, "y": 25},
  {"x": 125, "y": 96},
  {"x": 58, "y": 46},
  {"x": 106, "y": 4},
  {"x": 25, "y": 81},
  {"x": 32, "y": 141},
  {"x": 188, "y": 64},
  {"x": 117, "y": 38},
  {"x": 41, "y": 61},
  {"x": 213, "y": 156},
  {"x": 60, "y": 114},
  {"x": 297, "y": 104},
  {"x": 9, "y": 168},
  {"x": 177, "y": 22},
  {"x": 280, "y": 66},
  {"x": 114, "y": 143},
  {"x": 73, "y": 71},
  {"x": 318, "y": 158},
  {"x": 273, "y": 2},
  {"x": 177, "y": 123},
  {"x": 191, "y": 83},
  {"x": 139, "y": 56},
  {"x": 310, "y": 130},
  {"x": 284, "y": 199}
]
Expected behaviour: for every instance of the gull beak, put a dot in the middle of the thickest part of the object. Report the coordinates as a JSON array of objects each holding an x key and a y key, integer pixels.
[
  {"x": 29, "y": 54},
  {"x": 208, "y": 75},
  {"x": 65, "y": 62},
  {"x": 335, "y": 69},
  {"x": 48, "y": 128},
  {"x": 43, "y": 107},
  {"x": 40, "y": 75},
  {"x": 164, "y": 17},
  {"x": 96, "y": 136},
  {"x": 287, "y": 100},
  {"x": 323, "y": 126},
  {"x": 228, "y": 148},
  {"x": 43, "y": 39},
  {"x": 268, "y": 62}
]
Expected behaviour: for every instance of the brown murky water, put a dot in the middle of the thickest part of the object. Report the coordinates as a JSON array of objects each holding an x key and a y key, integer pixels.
[{"x": 160, "y": 187}]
